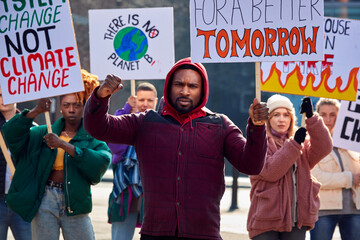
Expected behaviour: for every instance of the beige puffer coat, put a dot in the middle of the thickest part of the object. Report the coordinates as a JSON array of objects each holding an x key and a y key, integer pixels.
[{"x": 332, "y": 179}]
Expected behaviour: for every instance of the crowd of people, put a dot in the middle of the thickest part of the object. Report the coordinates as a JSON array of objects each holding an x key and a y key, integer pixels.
[{"x": 168, "y": 165}]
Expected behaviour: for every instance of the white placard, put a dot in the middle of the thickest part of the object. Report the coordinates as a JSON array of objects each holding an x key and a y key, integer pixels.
[
  {"x": 38, "y": 53},
  {"x": 131, "y": 43},
  {"x": 255, "y": 31},
  {"x": 347, "y": 128},
  {"x": 335, "y": 77}
]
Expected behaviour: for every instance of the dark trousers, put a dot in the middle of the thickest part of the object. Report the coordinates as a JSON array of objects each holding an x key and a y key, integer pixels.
[
  {"x": 295, "y": 234},
  {"x": 149, "y": 237}
]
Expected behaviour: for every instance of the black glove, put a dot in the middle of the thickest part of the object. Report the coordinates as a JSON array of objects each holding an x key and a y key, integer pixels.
[
  {"x": 300, "y": 135},
  {"x": 306, "y": 107}
]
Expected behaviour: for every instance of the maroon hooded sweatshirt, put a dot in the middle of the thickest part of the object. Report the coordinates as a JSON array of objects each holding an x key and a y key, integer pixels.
[{"x": 181, "y": 159}]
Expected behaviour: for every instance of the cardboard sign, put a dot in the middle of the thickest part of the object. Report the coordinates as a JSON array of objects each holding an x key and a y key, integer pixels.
[
  {"x": 335, "y": 77},
  {"x": 347, "y": 128},
  {"x": 132, "y": 43},
  {"x": 38, "y": 53},
  {"x": 255, "y": 31}
]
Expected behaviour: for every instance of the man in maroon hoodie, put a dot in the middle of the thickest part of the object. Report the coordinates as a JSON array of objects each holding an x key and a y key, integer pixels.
[{"x": 181, "y": 151}]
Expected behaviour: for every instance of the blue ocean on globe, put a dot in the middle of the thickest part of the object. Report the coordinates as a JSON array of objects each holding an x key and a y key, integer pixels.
[{"x": 130, "y": 44}]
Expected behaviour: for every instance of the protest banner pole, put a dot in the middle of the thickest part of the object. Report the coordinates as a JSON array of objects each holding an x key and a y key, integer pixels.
[
  {"x": 48, "y": 122},
  {"x": 132, "y": 87},
  {"x": 6, "y": 154},
  {"x": 257, "y": 81},
  {"x": 303, "y": 118}
]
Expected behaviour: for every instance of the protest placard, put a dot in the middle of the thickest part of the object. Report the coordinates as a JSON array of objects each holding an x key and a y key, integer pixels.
[
  {"x": 38, "y": 54},
  {"x": 334, "y": 77},
  {"x": 256, "y": 31},
  {"x": 347, "y": 127},
  {"x": 132, "y": 43}
]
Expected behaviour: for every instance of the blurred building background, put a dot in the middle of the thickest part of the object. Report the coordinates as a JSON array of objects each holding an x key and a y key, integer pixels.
[{"x": 232, "y": 85}]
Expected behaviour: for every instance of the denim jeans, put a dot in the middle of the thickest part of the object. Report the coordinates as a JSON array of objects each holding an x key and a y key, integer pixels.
[
  {"x": 20, "y": 229},
  {"x": 349, "y": 226},
  {"x": 51, "y": 216},
  {"x": 124, "y": 230}
]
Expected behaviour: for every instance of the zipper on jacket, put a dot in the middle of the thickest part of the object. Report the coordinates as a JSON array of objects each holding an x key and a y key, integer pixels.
[{"x": 66, "y": 182}]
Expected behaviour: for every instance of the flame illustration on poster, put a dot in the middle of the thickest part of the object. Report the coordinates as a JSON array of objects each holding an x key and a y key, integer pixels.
[
  {"x": 294, "y": 83},
  {"x": 337, "y": 76}
]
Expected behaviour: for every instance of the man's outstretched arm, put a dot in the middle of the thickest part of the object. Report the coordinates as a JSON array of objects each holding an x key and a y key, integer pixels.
[
  {"x": 248, "y": 155},
  {"x": 101, "y": 125}
]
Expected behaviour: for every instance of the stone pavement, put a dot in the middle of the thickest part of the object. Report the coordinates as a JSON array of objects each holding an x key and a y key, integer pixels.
[{"x": 233, "y": 224}]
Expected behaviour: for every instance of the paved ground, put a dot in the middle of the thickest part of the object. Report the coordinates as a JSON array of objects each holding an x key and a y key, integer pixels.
[{"x": 233, "y": 224}]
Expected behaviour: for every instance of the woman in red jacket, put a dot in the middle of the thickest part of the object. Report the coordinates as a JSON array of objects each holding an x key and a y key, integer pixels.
[{"x": 284, "y": 196}]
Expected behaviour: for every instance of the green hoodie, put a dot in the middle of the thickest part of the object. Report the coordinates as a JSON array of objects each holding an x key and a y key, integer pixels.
[{"x": 34, "y": 161}]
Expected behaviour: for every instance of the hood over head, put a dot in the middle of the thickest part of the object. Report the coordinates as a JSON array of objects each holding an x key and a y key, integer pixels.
[{"x": 169, "y": 109}]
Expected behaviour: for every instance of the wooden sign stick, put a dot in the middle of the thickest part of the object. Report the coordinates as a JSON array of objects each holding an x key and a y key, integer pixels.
[
  {"x": 303, "y": 118},
  {"x": 257, "y": 81},
  {"x": 132, "y": 87},
  {"x": 6, "y": 154},
  {"x": 48, "y": 122}
]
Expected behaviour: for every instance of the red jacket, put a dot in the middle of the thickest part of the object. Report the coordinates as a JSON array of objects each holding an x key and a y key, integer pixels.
[
  {"x": 181, "y": 159},
  {"x": 272, "y": 190}
]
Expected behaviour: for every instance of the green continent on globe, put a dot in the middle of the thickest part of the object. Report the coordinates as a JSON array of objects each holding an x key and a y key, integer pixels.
[{"x": 130, "y": 44}]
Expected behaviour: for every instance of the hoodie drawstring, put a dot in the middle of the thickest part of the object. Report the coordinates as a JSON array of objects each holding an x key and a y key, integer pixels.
[{"x": 191, "y": 126}]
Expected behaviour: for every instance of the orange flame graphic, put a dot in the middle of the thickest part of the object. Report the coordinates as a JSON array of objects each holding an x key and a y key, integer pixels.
[{"x": 293, "y": 84}]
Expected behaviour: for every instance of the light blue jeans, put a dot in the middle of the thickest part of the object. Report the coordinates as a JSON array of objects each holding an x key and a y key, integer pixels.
[
  {"x": 20, "y": 229},
  {"x": 51, "y": 217},
  {"x": 124, "y": 230}
]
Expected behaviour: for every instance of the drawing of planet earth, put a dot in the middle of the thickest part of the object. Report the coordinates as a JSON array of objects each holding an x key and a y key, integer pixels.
[{"x": 130, "y": 44}]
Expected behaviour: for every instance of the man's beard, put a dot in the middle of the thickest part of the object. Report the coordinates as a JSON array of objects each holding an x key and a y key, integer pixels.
[{"x": 181, "y": 109}]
